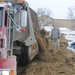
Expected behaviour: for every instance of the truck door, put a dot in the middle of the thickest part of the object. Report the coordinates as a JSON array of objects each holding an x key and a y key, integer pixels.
[{"x": 3, "y": 32}]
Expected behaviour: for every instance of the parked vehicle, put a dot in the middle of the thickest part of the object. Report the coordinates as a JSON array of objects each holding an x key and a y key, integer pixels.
[{"x": 18, "y": 45}]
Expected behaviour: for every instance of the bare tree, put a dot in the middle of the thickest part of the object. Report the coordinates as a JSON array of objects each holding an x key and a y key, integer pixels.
[
  {"x": 71, "y": 16},
  {"x": 43, "y": 12},
  {"x": 44, "y": 16},
  {"x": 71, "y": 13}
]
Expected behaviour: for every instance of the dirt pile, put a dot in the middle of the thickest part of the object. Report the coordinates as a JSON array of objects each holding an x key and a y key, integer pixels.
[{"x": 50, "y": 61}]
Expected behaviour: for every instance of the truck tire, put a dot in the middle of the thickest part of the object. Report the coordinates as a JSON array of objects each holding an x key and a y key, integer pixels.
[
  {"x": 25, "y": 56},
  {"x": 22, "y": 59}
]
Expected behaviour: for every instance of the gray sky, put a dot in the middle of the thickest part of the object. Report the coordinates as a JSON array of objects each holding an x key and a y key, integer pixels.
[{"x": 59, "y": 8}]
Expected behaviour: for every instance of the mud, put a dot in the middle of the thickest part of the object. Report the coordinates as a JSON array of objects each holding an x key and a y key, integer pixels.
[{"x": 50, "y": 61}]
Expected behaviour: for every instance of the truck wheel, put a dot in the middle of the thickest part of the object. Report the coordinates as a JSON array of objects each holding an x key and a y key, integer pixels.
[
  {"x": 22, "y": 59},
  {"x": 25, "y": 57}
]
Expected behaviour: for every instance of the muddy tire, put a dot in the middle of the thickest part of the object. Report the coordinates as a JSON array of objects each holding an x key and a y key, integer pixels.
[{"x": 22, "y": 59}]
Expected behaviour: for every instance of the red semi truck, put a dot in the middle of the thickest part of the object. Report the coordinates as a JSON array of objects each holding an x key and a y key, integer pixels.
[{"x": 17, "y": 39}]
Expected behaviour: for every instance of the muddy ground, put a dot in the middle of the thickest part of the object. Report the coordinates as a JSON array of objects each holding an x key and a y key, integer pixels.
[{"x": 50, "y": 61}]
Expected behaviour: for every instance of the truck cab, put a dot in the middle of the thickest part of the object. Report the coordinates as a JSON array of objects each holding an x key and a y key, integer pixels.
[{"x": 7, "y": 66}]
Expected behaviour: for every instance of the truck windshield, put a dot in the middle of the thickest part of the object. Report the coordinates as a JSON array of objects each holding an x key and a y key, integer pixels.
[{"x": 0, "y": 16}]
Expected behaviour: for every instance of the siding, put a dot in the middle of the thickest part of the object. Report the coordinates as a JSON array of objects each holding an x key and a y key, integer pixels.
[{"x": 64, "y": 23}]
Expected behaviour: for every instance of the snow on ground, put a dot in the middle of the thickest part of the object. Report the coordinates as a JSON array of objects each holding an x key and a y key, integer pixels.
[{"x": 69, "y": 35}]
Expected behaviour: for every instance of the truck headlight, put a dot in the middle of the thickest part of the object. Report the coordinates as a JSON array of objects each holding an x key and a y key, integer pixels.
[
  {"x": 0, "y": 72},
  {"x": 4, "y": 72}
]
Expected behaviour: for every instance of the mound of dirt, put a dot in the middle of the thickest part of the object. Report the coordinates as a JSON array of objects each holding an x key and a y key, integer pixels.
[{"x": 50, "y": 61}]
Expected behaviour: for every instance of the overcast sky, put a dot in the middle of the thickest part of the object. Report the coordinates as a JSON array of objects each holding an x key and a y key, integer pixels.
[{"x": 59, "y": 8}]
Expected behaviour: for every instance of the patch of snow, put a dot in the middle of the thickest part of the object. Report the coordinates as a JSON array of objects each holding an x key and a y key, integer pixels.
[{"x": 69, "y": 35}]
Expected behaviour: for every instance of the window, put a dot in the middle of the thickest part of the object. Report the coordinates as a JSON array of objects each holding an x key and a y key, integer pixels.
[
  {"x": 2, "y": 42},
  {"x": 5, "y": 19},
  {"x": 1, "y": 16}
]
